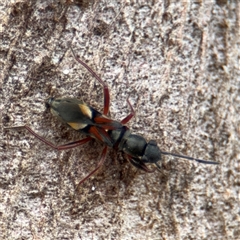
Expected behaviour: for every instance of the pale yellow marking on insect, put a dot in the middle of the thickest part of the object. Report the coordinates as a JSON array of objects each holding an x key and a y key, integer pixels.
[
  {"x": 77, "y": 126},
  {"x": 85, "y": 110}
]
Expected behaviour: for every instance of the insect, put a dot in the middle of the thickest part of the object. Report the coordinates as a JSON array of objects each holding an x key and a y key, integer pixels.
[{"x": 83, "y": 118}]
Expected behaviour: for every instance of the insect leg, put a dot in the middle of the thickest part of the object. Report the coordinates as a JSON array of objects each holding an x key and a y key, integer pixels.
[
  {"x": 61, "y": 147},
  {"x": 74, "y": 144},
  {"x": 105, "y": 87},
  {"x": 128, "y": 117},
  {"x": 102, "y": 159},
  {"x": 139, "y": 164}
]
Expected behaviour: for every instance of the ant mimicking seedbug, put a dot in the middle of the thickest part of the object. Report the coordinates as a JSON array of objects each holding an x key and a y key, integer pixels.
[{"x": 83, "y": 118}]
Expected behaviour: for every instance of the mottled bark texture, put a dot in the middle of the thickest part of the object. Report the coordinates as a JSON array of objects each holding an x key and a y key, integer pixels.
[{"x": 179, "y": 65}]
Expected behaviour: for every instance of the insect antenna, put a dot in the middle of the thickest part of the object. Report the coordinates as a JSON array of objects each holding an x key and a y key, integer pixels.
[{"x": 189, "y": 158}]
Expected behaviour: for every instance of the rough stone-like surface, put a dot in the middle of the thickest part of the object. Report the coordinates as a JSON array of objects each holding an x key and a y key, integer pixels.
[{"x": 179, "y": 65}]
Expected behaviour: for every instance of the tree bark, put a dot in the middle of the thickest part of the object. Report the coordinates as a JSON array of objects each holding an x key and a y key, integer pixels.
[{"x": 179, "y": 65}]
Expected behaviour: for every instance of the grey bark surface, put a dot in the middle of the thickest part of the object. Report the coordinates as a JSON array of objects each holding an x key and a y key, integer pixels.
[{"x": 179, "y": 65}]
